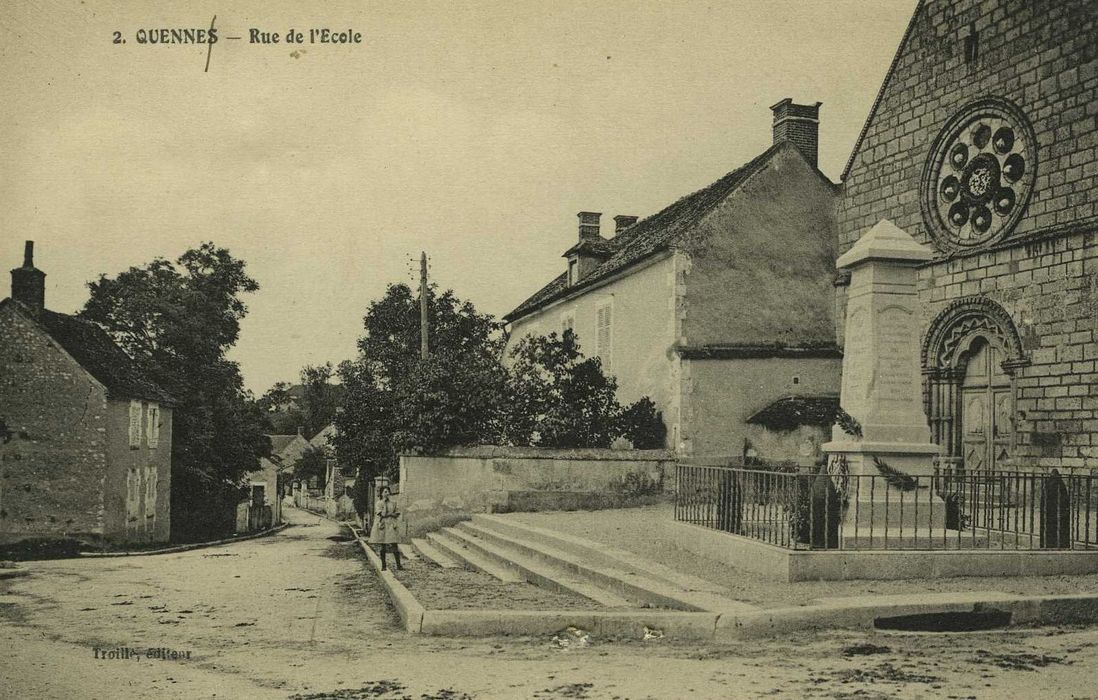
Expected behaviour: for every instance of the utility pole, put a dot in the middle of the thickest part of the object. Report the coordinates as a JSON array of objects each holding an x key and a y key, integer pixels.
[{"x": 423, "y": 305}]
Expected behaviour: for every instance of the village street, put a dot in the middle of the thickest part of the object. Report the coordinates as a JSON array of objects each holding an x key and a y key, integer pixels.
[{"x": 300, "y": 613}]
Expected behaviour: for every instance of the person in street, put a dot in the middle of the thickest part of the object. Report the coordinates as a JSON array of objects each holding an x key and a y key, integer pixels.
[{"x": 388, "y": 528}]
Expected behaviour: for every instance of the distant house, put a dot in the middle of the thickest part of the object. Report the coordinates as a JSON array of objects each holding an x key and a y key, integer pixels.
[
  {"x": 718, "y": 305},
  {"x": 85, "y": 437},
  {"x": 266, "y": 484},
  {"x": 285, "y": 451},
  {"x": 338, "y": 485}
]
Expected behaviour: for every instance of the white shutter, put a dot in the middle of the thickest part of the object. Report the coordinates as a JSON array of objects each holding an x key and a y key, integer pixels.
[
  {"x": 604, "y": 335},
  {"x": 135, "y": 424}
]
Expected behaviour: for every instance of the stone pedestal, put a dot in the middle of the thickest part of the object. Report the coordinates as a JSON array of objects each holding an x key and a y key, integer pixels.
[{"x": 882, "y": 386}]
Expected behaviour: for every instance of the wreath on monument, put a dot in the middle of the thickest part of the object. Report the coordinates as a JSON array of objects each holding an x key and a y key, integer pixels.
[
  {"x": 848, "y": 423},
  {"x": 895, "y": 478}
]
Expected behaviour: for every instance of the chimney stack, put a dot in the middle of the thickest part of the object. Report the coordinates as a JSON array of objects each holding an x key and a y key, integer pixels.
[
  {"x": 28, "y": 284},
  {"x": 622, "y": 222},
  {"x": 798, "y": 124},
  {"x": 589, "y": 224}
]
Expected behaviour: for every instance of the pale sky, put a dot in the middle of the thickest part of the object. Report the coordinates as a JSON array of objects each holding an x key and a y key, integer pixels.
[{"x": 474, "y": 131}]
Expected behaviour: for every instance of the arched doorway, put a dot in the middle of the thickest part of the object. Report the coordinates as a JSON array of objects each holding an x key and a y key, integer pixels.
[{"x": 971, "y": 354}]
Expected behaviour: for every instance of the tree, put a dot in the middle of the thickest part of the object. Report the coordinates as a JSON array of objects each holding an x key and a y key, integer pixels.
[
  {"x": 559, "y": 398},
  {"x": 312, "y": 462},
  {"x": 318, "y": 405},
  {"x": 177, "y": 319},
  {"x": 321, "y": 397},
  {"x": 395, "y": 401}
]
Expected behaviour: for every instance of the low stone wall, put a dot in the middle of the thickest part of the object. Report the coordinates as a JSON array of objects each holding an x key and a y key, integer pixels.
[
  {"x": 789, "y": 565},
  {"x": 439, "y": 490}
]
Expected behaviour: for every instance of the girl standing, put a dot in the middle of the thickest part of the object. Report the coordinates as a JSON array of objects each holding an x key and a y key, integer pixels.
[{"x": 388, "y": 529}]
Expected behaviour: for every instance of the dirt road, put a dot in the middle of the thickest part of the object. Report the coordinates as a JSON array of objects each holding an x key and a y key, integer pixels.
[{"x": 299, "y": 614}]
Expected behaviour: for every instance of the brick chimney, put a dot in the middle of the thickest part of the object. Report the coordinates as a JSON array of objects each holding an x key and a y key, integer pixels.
[
  {"x": 589, "y": 224},
  {"x": 798, "y": 124},
  {"x": 622, "y": 222},
  {"x": 28, "y": 284}
]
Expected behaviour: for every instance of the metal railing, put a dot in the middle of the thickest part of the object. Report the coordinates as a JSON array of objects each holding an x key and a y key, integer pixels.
[{"x": 950, "y": 509}]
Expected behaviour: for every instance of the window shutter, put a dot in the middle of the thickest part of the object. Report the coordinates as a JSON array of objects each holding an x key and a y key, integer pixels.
[
  {"x": 135, "y": 423},
  {"x": 603, "y": 334}
]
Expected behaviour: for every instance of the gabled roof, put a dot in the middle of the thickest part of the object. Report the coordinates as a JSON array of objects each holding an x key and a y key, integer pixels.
[
  {"x": 651, "y": 235},
  {"x": 323, "y": 438},
  {"x": 280, "y": 442},
  {"x": 100, "y": 356}
]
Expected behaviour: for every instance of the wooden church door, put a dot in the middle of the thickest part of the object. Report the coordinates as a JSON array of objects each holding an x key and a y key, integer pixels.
[{"x": 985, "y": 410}]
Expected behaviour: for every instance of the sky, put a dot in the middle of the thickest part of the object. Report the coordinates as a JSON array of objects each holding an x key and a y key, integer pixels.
[{"x": 474, "y": 131}]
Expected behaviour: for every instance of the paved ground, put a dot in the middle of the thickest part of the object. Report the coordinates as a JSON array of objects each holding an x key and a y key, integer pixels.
[
  {"x": 298, "y": 614},
  {"x": 643, "y": 530}
]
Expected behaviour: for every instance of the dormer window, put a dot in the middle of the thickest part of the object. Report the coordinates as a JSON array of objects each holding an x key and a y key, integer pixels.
[{"x": 573, "y": 271}]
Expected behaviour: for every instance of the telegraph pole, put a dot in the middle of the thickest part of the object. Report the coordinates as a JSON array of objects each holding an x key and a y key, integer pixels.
[{"x": 423, "y": 305}]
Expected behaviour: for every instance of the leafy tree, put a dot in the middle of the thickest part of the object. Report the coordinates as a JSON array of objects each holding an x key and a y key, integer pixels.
[
  {"x": 312, "y": 462},
  {"x": 397, "y": 402},
  {"x": 559, "y": 398},
  {"x": 177, "y": 319},
  {"x": 321, "y": 399},
  {"x": 277, "y": 400}
]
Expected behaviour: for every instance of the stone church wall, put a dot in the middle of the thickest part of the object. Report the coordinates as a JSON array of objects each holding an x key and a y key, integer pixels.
[{"x": 1042, "y": 59}]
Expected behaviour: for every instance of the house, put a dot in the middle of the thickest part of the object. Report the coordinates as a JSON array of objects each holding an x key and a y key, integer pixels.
[
  {"x": 983, "y": 145},
  {"x": 717, "y": 306},
  {"x": 285, "y": 451},
  {"x": 85, "y": 437},
  {"x": 338, "y": 487}
]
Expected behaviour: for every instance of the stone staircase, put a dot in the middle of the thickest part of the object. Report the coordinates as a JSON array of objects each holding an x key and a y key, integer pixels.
[{"x": 514, "y": 552}]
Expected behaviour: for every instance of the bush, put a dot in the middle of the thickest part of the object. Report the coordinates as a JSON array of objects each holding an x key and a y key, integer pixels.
[{"x": 642, "y": 425}]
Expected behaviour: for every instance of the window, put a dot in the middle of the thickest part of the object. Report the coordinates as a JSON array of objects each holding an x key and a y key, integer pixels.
[
  {"x": 567, "y": 322},
  {"x": 573, "y": 271},
  {"x": 135, "y": 424},
  {"x": 604, "y": 335},
  {"x": 972, "y": 45},
  {"x": 152, "y": 434}
]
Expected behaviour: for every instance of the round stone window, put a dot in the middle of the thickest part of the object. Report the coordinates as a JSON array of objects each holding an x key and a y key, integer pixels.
[{"x": 979, "y": 175}]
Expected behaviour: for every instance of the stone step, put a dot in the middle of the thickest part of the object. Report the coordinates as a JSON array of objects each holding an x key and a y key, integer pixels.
[
  {"x": 408, "y": 552},
  {"x": 630, "y": 585},
  {"x": 598, "y": 553},
  {"x": 539, "y": 572},
  {"x": 432, "y": 554},
  {"x": 454, "y": 547}
]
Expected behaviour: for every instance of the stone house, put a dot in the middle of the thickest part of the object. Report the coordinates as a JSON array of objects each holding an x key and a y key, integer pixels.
[
  {"x": 983, "y": 145},
  {"x": 85, "y": 438},
  {"x": 717, "y": 306}
]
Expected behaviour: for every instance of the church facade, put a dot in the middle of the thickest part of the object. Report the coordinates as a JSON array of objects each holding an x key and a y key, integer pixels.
[{"x": 983, "y": 145}]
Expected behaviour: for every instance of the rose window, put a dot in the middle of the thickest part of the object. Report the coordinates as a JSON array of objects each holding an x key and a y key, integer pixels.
[{"x": 979, "y": 175}]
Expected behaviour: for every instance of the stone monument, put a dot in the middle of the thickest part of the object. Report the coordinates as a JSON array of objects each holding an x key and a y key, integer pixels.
[{"x": 882, "y": 391}]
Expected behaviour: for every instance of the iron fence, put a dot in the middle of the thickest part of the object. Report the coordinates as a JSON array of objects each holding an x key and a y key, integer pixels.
[{"x": 949, "y": 509}]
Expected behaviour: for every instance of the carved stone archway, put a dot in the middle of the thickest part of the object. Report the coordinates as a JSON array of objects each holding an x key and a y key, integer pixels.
[{"x": 947, "y": 346}]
